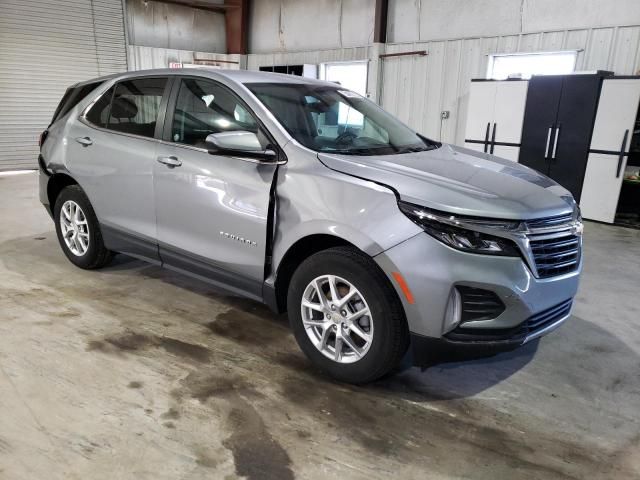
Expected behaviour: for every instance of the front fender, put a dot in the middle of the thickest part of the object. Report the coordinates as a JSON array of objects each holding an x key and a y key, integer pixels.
[{"x": 314, "y": 200}]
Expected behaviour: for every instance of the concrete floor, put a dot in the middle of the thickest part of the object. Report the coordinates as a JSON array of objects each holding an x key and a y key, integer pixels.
[{"x": 136, "y": 372}]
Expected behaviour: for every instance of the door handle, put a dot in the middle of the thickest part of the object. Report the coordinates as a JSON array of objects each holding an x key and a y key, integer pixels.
[
  {"x": 555, "y": 143},
  {"x": 546, "y": 149},
  {"x": 493, "y": 139},
  {"x": 622, "y": 152},
  {"x": 170, "y": 162},
  {"x": 486, "y": 137},
  {"x": 84, "y": 141}
]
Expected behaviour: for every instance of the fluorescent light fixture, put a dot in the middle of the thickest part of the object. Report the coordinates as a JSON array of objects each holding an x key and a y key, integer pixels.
[
  {"x": 10, "y": 173},
  {"x": 524, "y": 65}
]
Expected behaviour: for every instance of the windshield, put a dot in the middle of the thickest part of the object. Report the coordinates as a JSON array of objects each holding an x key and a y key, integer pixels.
[{"x": 331, "y": 120}]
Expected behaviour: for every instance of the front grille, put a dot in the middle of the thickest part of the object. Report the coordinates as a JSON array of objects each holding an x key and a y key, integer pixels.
[
  {"x": 479, "y": 304},
  {"x": 545, "y": 318},
  {"x": 556, "y": 256},
  {"x": 548, "y": 222}
]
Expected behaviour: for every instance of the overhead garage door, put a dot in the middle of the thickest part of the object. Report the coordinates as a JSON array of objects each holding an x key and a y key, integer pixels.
[{"x": 45, "y": 46}]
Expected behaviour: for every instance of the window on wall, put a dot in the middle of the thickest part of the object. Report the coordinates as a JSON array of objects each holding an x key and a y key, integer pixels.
[
  {"x": 351, "y": 76},
  {"x": 502, "y": 66}
]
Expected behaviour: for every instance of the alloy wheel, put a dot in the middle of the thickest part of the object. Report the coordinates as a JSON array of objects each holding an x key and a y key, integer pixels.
[
  {"x": 337, "y": 318},
  {"x": 75, "y": 229}
]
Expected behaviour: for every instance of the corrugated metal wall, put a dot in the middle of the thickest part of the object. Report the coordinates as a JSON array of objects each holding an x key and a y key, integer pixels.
[
  {"x": 417, "y": 89},
  {"x": 45, "y": 46}
]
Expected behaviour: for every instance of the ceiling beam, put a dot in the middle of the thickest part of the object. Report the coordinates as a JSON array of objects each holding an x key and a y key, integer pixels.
[
  {"x": 237, "y": 24},
  {"x": 380, "y": 21},
  {"x": 198, "y": 4}
]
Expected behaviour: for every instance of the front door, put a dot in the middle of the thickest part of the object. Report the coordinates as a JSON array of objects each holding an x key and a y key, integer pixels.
[{"x": 211, "y": 209}]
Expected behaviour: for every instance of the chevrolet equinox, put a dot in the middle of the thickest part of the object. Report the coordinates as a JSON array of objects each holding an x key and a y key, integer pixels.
[{"x": 308, "y": 197}]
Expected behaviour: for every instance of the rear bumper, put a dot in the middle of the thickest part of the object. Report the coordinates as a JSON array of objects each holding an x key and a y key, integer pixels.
[
  {"x": 533, "y": 306},
  {"x": 43, "y": 182}
]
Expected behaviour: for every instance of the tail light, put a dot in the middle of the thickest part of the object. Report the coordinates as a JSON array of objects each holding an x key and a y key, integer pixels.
[{"x": 43, "y": 137}]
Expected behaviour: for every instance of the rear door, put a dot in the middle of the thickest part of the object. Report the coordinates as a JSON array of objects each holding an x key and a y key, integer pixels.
[
  {"x": 212, "y": 209},
  {"x": 112, "y": 155}
]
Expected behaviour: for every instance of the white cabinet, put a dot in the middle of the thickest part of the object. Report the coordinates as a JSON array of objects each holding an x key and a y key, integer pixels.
[
  {"x": 495, "y": 115},
  {"x": 482, "y": 97},
  {"x": 612, "y": 132}
]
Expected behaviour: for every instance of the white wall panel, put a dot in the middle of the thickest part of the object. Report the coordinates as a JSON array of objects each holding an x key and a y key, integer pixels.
[
  {"x": 427, "y": 20},
  {"x": 142, "y": 58},
  {"x": 451, "y": 64},
  {"x": 294, "y": 25},
  {"x": 45, "y": 47},
  {"x": 166, "y": 25}
]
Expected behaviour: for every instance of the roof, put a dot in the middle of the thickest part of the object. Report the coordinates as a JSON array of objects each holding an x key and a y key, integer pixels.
[{"x": 238, "y": 76}]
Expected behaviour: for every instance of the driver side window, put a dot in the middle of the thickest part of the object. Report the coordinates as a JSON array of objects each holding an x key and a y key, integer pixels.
[
  {"x": 204, "y": 107},
  {"x": 340, "y": 120}
]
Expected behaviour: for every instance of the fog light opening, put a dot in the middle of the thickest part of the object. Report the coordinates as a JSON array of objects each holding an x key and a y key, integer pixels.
[{"x": 453, "y": 313}]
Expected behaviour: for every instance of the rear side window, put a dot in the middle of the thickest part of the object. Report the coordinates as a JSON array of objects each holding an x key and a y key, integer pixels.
[
  {"x": 71, "y": 98},
  {"x": 99, "y": 112},
  {"x": 131, "y": 107},
  {"x": 136, "y": 105}
]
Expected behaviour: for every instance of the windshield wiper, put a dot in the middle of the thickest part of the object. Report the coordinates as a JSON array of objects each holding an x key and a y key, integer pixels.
[{"x": 356, "y": 151}]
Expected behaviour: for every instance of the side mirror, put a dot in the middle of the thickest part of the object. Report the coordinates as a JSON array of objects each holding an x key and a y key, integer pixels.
[{"x": 240, "y": 143}]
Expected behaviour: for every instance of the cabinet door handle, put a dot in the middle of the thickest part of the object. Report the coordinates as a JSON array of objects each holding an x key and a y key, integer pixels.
[
  {"x": 555, "y": 143},
  {"x": 546, "y": 149},
  {"x": 622, "y": 152},
  {"x": 493, "y": 139},
  {"x": 486, "y": 137}
]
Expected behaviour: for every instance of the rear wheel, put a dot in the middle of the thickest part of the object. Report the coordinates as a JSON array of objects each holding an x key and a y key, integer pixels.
[
  {"x": 346, "y": 316},
  {"x": 78, "y": 230}
]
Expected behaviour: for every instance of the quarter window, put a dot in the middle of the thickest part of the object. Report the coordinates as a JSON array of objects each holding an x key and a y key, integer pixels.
[
  {"x": 204, "y": 107},
  {"x": 99, "y": 112}
]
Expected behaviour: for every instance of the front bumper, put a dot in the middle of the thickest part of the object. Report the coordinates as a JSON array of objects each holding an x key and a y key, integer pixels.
[{"x": 533, "y": 306}]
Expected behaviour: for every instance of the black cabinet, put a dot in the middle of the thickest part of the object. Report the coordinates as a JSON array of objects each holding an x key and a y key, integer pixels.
[{"x": 557, "y": 127}]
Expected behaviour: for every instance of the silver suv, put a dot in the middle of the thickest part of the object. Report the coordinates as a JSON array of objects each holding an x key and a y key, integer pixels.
[{"x": 312, "y": 199}]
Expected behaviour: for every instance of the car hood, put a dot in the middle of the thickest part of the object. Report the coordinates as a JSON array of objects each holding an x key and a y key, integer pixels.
[{"x": 458, "y": 180}]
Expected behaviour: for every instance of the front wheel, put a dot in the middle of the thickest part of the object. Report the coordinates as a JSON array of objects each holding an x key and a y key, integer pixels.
[{"x": 345, "y": 315}]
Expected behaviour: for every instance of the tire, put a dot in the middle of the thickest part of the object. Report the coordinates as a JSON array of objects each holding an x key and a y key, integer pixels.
[
  {"x": 387, "y": 327},
  {"x": 87, "y": 248}
]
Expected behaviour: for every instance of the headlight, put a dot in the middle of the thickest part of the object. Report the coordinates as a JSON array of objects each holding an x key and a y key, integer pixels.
[{"x": 458, "y": 232}]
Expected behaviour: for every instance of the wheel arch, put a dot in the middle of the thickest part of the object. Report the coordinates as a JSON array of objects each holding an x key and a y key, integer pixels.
[
  {"x": 300, "y": 250},
  {"x": 57, "y": 182}
]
